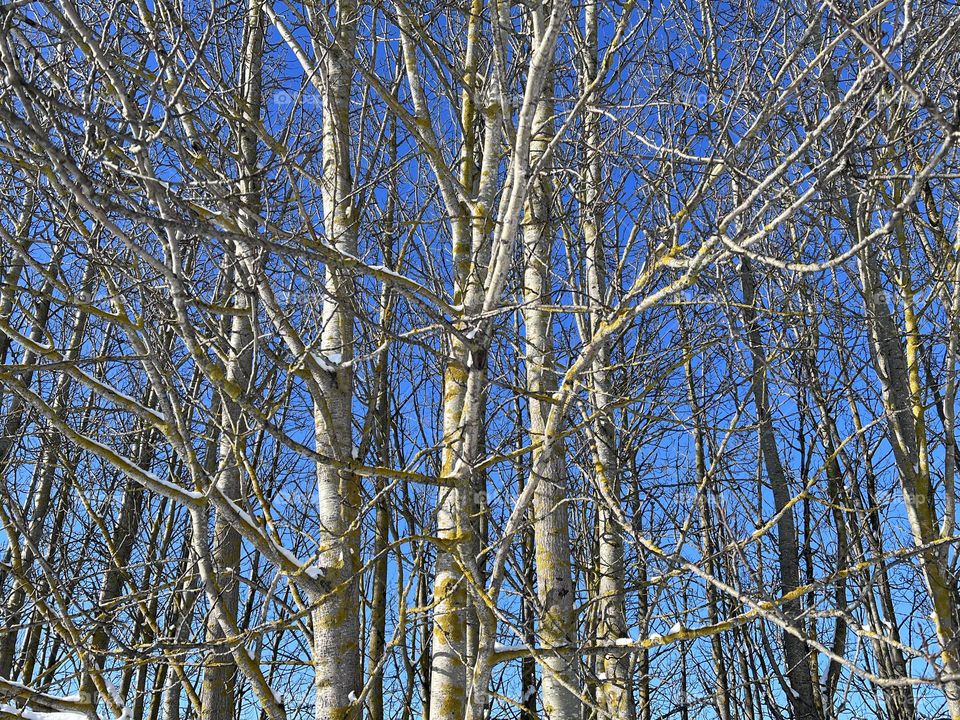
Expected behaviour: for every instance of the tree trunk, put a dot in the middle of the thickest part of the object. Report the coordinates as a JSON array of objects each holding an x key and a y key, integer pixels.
[
  {"x": 704, "y": 493},
  {"x": 795, "y": 651},
  {"x": 898, "y": 372},
  {"x": 551, "y": 525},
  {"x": 616, "y": 691},
  {"x": 336, "y": 617},
  {"x": 218, "y": 688}
]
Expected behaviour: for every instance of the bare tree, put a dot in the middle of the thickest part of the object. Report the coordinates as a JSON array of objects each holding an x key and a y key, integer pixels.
[{"x": 476, "y": 360}]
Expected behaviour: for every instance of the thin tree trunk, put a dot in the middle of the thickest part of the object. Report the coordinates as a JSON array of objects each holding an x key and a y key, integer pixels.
[
  {"x": 124, "y": 536},
  {"x": 704, "y": 492},
  {"x": 616, "y": 691},
  {"x": 46, "y": 471},
  {"x": 898, "y": 371},
  {"x": 643, "y": 670},
  {"x": 381, "y": 439},
  {"x": 795, "y": 651},
  {"x": 220, "y": 671},
  {"x": 218, "y": 689},
  {"x": 899, "y": 698}
]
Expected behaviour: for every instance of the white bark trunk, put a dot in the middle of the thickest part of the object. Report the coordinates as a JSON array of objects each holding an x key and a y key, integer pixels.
[
  {"x": 336, "y": 641},
  {"x": 616, "y": 692}
]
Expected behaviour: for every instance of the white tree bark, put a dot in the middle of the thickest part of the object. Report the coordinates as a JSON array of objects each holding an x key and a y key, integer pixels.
[
  {"x": 336, "y": 641},
  {"x": 616, "y": 691}
]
